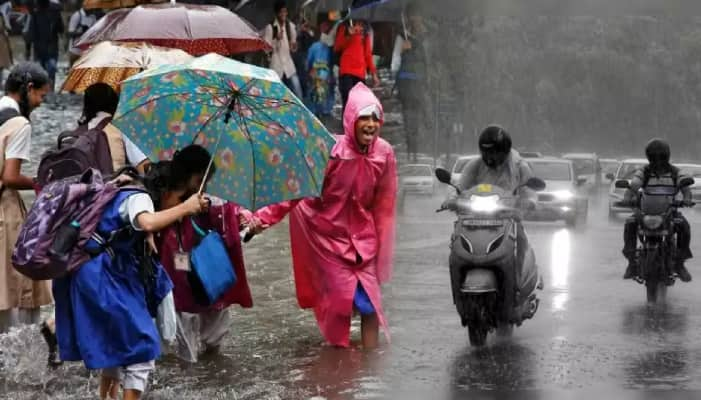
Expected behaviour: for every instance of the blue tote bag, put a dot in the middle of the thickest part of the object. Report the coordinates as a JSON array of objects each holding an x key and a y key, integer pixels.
[{"x": 211, "y": 267}]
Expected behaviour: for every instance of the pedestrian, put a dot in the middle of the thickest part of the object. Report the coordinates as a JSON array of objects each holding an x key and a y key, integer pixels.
[
  {"x": 79, "y": 23},
  {"x": 321, "y": 79},
  {"x": 410, "y": 67},
  {"x": 201, "y": 327},
  {"x": 282, "y": 35},
  {"x": 354, "y": 43},
  {"x": 6, "y": 59},
  {"x": 25, "y": 88},
  {"x": 99, "y": 105},
  {"x": 102, "y": 312},
  {"x": 46, "y": 26},
  {"x": 342, "y": 241},
  {"x": 305, "y": 39}
]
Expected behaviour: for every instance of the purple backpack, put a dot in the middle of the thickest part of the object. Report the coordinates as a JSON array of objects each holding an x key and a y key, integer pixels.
[{"x": 63, "y": 218}]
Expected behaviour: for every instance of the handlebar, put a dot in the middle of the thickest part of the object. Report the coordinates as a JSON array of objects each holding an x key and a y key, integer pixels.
[{"x": 634, "y": 204}]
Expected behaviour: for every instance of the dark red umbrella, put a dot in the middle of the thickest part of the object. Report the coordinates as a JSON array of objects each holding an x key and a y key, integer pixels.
[{"x": 196, "y": 29}]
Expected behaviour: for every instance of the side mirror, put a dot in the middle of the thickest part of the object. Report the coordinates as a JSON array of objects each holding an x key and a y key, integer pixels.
[
  {"x": 610, "y": 176},
  {"x": 581, "y": 181},
  {"x": 443, "y": 175},
  {"x": 686, "y": 182},
  {"x": 583, "y": 178},
  {"x": 622, "y": 184},
  {"x": 536, "y": 184}
]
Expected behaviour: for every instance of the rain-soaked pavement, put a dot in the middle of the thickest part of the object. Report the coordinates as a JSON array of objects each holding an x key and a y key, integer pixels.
[{"x": 593, "y": 330}]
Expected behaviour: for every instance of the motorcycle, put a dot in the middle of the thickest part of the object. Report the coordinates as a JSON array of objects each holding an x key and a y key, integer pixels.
[
  {"x": 656, "y": 213},
  {"x": 493, "y": 280}
]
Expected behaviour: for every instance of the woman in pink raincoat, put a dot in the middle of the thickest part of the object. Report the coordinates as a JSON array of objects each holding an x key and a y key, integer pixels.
[{"x": 342, "y": 242}]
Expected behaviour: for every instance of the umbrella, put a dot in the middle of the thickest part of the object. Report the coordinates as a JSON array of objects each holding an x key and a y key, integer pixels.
[
  {"x": 114, "y": 4},
  {"x": 196, "y": 29},
  {"x": 111, "y": 63},
  {"x": 267, "y": 146}
]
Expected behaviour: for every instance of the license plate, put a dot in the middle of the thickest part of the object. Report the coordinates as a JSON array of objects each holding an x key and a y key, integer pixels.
[{"x": 481, "y": 222}]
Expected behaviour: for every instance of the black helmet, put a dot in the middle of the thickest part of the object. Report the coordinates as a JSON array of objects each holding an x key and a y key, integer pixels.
[
  {"x": 657, "y": 152},
  {"x": 495, "y": 145}
]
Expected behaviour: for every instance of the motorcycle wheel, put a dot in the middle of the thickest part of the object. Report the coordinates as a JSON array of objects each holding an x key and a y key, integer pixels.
[
  {"x": 656, "y": 292},
  {"x": 655, "y": 284},
  {"x": 478, "y": 335}
]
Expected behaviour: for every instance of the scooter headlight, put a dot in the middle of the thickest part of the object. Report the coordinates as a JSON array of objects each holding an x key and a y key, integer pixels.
[
  {"x": 653, "y": 221},
  {"x": 486, "y": 204},
  {"x": 563, "y": 194}
]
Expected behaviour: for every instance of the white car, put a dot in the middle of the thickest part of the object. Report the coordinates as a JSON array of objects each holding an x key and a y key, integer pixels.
[
  {"x": 586, "y": 166},
  {"x": 624, "y": 171},
  {"x": 417, "y": 178},
  {"x": 694, "y": 171},
  {"x": 608, "y": 166},
  {"x": 459, "y": 165},
  {"x": 561, "y": 199}
]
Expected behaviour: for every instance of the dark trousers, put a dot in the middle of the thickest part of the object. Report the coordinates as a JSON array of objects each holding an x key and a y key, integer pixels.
[{"x": 345, "y": 84}]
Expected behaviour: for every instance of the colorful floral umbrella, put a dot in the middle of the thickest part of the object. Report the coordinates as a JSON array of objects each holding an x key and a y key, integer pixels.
[
  {"x": 268, "y": 147},
  {"x": 112, "y": 62},
  {"x": 196, "y": 29}
]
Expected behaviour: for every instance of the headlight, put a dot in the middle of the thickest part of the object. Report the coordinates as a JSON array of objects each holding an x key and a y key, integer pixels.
[
  {"x": 563, "y": 194},
  {"x": 486, "y": 204},
  {"x": 653, "y": 221}
]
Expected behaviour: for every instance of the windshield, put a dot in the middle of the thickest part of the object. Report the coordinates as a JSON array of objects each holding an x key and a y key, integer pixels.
[
  {"x": 609, "y": 166},
  {"x": 583, "y": 166},
  {"x": 416, "y": 170},
  {"x": 460, "y": 164},
  {"x": 552, "y": 171},
  {"x": 627, "y": 170}
]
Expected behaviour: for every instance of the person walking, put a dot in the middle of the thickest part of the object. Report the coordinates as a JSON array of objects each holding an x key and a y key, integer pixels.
[
  {"x": 282, "y": 35},
  {"x": 354, "y": 44}
]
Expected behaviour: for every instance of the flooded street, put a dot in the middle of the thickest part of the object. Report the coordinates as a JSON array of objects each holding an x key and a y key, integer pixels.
[{"x": 593, "y": 330}]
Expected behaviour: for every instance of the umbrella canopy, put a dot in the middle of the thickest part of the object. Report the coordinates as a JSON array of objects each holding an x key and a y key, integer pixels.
[
  {"x": 368, "y": 10},
  {"x": 112, "y": 62},
  {"x": 267, "y": 146},
  {"x": 114, "y": 4},
  {"x": 196, "y": 29}
]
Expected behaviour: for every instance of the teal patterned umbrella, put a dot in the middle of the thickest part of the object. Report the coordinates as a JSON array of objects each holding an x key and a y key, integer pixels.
[{"x": 268, "y": 147}]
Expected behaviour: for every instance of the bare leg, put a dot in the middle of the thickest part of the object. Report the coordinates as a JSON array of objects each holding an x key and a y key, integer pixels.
[
  {"x": 132, "y": 394},
  {"x": 109, "y": 387},
  {"x": 369, "y": 330}
]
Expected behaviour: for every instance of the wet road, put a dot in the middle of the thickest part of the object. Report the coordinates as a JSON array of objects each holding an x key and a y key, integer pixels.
[{"x": 593, "y": 330}]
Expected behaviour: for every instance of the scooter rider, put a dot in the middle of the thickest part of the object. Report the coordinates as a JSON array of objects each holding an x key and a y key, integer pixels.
[
  {"x": 501, "y": 166},
  {"x": 659, "y": 171}
]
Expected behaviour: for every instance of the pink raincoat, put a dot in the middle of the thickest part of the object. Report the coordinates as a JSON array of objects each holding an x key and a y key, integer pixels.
[{"x": 352, "y": 220}]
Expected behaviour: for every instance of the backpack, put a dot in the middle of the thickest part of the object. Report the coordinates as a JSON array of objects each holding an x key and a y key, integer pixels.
[
  {"x": 76, "y": 152},
  {"x": 647, "y": 174},
  {"x": 62, "y": 219}
]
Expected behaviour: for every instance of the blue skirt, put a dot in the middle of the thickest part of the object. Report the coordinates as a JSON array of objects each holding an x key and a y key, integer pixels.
[
  {"x": 362, "y": 302},
  {"x": 101, "y": 314}
]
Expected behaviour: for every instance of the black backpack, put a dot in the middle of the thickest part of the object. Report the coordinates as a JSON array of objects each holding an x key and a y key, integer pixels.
[{"x": 76, "y": 152}]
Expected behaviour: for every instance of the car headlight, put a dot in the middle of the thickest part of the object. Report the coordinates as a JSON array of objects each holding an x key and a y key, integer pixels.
[
  {"x": 486, "y": 204},
  {"x": 653, "y": 221},
  {"x": 563, "y": 194}
]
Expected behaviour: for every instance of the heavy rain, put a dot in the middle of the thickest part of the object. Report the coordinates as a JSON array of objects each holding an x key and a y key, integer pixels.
[{"x": 581, "y": 88}]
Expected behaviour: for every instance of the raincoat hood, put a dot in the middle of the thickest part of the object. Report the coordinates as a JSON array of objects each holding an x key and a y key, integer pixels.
[{"x": 359, "y": 97}]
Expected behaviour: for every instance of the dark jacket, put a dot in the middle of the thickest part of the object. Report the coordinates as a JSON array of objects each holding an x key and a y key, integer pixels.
[{"x": 46, "y": 26}]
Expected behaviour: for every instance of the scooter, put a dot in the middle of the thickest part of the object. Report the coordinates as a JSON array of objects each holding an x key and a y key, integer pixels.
[
  {"x": 656, "y": 212},
  {"x": 493, "y": 280}
]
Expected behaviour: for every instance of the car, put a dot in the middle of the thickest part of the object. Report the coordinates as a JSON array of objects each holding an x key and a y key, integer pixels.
[
  {"x": 459, "y": 165},
  {"x": 531, "y": 154},
  {"x": 586, "y": 165},
  {"x": 694, "y": 171},
  {"x": 608, "y": 166},
  {"x": 417, "y": 179},
  {"x": 562, "y": 198},
  {"x": 625, "y": 170}
]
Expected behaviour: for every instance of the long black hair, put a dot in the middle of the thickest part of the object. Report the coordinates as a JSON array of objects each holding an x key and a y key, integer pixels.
[
  {"x": 165, "y": 176},
  {"x": 18, "y": 82},
  {"x": 99, "y": 97}
]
